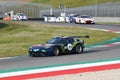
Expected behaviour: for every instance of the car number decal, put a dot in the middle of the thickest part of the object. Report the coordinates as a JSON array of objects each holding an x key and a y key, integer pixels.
[{"x": 69, "y": 46}]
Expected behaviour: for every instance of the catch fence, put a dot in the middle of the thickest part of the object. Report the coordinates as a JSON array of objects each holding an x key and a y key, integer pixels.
[{"x": 37, "y": 10}]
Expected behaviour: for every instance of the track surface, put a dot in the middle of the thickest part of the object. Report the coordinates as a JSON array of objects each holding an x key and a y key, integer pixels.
[
  {"x": 115, "y": 27},
  {"x": 91, "y": 54}
]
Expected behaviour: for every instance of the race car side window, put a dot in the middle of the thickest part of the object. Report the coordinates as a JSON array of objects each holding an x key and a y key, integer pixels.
[
  {"x": 62, "y": 41},
  {"x": 69, "y": 40}
]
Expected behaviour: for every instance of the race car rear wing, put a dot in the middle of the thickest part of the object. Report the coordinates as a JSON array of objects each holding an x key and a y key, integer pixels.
[{"x": 81, "y": 36}]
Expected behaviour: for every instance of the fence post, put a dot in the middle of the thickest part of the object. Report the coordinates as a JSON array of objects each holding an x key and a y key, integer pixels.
[{"x": 96, "y": 8}]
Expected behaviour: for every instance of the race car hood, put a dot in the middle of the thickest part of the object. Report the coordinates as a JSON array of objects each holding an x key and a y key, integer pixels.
[
  {"x": 91, "y": 19},
  {"x": 42, "y": 45},
  {"x": 36, "y": 45}
]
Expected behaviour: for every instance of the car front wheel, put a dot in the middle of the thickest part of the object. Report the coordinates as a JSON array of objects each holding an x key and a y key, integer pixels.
[
  {"x": 33, "y": 55},
  {"x": 56, "y": 51}
]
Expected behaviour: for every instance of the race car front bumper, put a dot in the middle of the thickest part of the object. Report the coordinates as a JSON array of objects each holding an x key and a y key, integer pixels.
[{"x": 39, "y": 52}]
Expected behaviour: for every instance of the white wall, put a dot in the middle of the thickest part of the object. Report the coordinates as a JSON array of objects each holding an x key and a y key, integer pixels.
[{"x": 107, "y": 19}]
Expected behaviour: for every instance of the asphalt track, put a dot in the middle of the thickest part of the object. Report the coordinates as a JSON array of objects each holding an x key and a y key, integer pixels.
[
  {"x": 114, "y": 27},
  {"x": 97, "y": 53}
]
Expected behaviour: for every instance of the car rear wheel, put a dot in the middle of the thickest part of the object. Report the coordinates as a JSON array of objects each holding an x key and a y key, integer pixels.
[
  {"x": 79, "y": 48},
  {"x": 56, "y": 51}
]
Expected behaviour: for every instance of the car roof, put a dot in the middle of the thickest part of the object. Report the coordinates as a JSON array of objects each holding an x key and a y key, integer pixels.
[
  {"x": 63, "y": 37},
  {"x": 19, "y": 13}
]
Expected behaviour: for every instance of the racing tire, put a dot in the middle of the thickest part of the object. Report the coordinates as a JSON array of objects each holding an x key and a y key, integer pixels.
[
  {"x": 75, "y": 21},
  {"x": 93, "y": 23},
  {"x": 33, "y": 55},
  {"x": 78, "y": 49},
  {"x": 56, "y": 51}
]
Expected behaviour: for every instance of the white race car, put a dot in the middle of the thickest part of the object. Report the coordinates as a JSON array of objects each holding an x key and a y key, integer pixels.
[
  {"x": 49, "y": 18},
  {"x": 84, "y": 19},
  {"x": 20, "y": 16}
]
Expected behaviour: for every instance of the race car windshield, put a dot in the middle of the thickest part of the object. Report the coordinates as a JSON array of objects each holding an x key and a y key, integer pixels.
[
  {"x": 21, "y": 14},
  {"x": 85, "y": 16},
  {"x": 56, "y": 41}
]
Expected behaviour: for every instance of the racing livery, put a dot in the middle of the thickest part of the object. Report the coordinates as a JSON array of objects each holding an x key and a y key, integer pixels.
[
  {"x": 20, "y": 16},
  {"x": 57, "y": 46},
  {"x": 84, "y": 19},
  {"x": 71, "y": 18}
]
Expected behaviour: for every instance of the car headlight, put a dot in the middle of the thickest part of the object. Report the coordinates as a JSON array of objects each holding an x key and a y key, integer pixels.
[
  {"x": 30, "y": 49},
  {"x": 35, "y": 50},
  {"x": 92, "y": 19}
]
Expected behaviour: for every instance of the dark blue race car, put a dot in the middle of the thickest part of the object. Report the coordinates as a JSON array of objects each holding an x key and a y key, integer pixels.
[
  {"x": 71, "y": 17},
  {"x": 57, "y": 46}
]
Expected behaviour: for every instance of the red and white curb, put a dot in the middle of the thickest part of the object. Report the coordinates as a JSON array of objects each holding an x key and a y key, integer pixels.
[
  {"x": 114, "y": 31},
  {"x": 60, "y": 70},
  {"x": 108, "y": 45}
]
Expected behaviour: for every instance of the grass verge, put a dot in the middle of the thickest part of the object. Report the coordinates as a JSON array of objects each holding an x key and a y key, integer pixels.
[
  {"x": 72, "y": 3},
  {"x": 17, "y": 37}
]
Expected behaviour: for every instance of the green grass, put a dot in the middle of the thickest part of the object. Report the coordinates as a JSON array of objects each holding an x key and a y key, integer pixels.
[
  {"x": 17, "y": 37},
  {"x": 73, "y": 3}
]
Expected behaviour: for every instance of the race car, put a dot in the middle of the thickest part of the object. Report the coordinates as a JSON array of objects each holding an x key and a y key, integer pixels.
[
  {"x": 84, "y": 19},
  {"x": 71, "y": 18},
  {"x": 58, "y": 45},
  {"x": 20, "y": 16}
]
